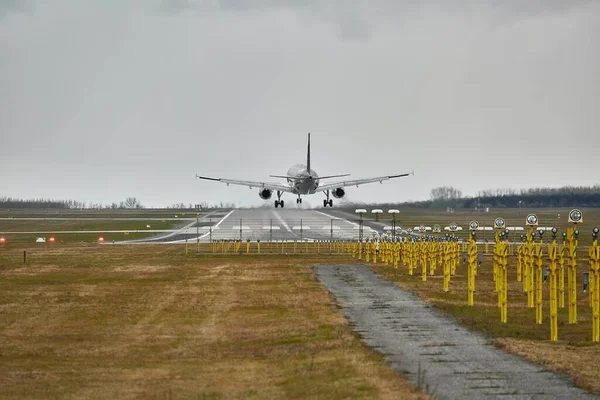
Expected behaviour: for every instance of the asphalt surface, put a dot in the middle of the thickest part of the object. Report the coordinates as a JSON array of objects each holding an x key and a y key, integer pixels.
[
  {"x": 265, "y": 225},
  {"x": 431, "y": 349}
]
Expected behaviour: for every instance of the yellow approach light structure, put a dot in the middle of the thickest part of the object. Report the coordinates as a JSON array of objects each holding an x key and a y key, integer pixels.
[
  {"x": 472, "y": 262},
  {"x": 594, "y": 254},
  {"x": 553, "y": 258},
  {"x": 575, "y": 217}
]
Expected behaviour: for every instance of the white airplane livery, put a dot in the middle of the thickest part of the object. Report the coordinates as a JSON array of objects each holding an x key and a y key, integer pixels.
[{"x": 302, "y": 180}]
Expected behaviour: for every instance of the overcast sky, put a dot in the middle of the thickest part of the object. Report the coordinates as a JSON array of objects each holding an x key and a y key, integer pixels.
[{"x": 100, "y": 100}]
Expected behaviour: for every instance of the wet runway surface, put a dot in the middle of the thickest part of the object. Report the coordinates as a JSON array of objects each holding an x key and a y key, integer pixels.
[{"x": 268, "y": 224}]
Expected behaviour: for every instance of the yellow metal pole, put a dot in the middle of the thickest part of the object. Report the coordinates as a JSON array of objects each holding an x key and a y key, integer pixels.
[
  {"x": 472, "y": 258},
  {"x": 539, "y": 250},
  {"x": 530, "y": 270},
  {"x": 503, "y": 278},
  {"x": 519, "y": 262},
  {"x": 561, "y": 276},
  {"x": 423, "y": 259},
  {"x": 572, "y": 274},
  {"x": 594, "y": 259},
  {"x": 553, "y": 258},
  {"x": 446, "y": 267}
]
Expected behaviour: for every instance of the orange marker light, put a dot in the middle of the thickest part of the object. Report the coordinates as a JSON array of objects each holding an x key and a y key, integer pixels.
[
  {"x": 51, "y": 239},
  {"x": 100, "y": 239},
  {"x": 2, "y": 240}
]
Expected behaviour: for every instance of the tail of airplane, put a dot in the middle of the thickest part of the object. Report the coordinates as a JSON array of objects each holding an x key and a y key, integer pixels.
[
  {"x": 308, "y": 154},
  {"x": 307, "y": 168}
]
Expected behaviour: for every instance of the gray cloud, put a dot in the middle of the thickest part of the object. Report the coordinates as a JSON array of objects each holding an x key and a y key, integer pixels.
[
  {"x": 15, "y": 7},
  {"x": 104, "y": 100}
]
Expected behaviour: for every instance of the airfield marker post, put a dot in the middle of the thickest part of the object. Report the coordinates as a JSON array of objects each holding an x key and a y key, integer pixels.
[
  {"x": 423, "y": 258},
  {"x": 561, "y": 273},
  {"x": 504, "y": 278},
  {"x": 594, "y": 253},
  {"x": 539, "y": 252},
  {"x": 472, "y": 253},
  {"x": 532, "y": 221},
  {"x": 520, "y": 249},
  {"x": 575, "y": 217},
  {"x": 553, "y": 258}
]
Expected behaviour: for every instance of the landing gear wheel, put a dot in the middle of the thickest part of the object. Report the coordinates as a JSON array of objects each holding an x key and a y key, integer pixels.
[
  {"x": 298, "y": 200},
  {"x": 330, "y": 202},
  {"x": 276, "y": 203},
  {"x": 281, "y": 203},
  {"x": 325, "y": 203}
]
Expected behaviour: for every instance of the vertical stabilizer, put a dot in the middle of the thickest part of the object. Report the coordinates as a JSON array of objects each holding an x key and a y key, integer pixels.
[{"x": 308, "y": 155}]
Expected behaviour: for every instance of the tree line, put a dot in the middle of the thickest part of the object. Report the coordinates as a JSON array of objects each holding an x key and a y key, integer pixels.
[
  {"x": 9, "y": 202},
  {"x": 449, "y": 197},
  {"x": 128, "y": 203}
]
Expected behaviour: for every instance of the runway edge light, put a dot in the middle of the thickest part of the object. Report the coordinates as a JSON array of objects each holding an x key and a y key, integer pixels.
[{"x": 100, "y": 239}]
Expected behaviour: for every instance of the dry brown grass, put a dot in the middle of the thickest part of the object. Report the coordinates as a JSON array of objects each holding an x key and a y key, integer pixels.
[
  {"x": 149, "y": 322},
  {"x": 579, "y": 362}
]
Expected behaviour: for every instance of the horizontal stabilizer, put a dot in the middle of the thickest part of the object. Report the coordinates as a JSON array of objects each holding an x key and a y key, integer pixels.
[
  {"x": 333, "y": 176},
  {"x": 298, "y": 178},
  {"x": 285, "y": 177}
]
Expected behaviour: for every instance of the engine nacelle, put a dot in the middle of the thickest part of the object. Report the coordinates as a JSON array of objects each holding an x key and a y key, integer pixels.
[
  {"x": 338, "y": 193},
  {"x": 265, "y": 194}
]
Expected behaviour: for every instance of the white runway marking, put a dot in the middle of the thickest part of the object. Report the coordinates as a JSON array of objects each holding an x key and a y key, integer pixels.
[{"x": 282, "y": 221}]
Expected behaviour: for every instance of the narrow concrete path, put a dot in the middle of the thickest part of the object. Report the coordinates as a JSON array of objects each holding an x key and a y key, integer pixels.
[{"x": 431, "y": 349}]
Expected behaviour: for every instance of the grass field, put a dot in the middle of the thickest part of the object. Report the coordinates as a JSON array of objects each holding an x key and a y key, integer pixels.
[
  {"x": 148, "y": 322},
  {"x": 16, "y": 225}
]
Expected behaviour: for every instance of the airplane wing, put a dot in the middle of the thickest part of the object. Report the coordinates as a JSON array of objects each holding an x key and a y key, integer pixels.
[
  {"x": 250, "y": 184},
  {"x": 358, "y": 182}
]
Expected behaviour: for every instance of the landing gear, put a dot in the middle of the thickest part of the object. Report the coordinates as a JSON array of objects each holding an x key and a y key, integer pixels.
[
  {"x": 327, "y": 201},
  {"x": 279, "y": 202},
  {"x": 299, "y": 200}
]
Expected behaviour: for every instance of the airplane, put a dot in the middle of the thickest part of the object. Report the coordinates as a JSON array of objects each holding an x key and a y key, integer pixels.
[{"x": 302, "y": 180}]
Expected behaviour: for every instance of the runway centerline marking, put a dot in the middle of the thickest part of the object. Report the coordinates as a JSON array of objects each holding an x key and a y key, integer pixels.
[{"x": 282, "y": 221}]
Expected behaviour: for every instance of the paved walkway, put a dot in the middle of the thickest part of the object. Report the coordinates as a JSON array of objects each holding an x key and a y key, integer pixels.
[{"x": 431, "y": 349}]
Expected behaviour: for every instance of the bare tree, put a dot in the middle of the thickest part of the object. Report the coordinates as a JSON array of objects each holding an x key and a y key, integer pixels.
[
  {"x": 444, "y": 193},
  {"x": 132, "y": 202}
]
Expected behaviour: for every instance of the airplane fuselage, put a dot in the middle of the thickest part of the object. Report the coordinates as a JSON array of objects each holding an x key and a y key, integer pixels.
[{"x": 302, "y": 181}]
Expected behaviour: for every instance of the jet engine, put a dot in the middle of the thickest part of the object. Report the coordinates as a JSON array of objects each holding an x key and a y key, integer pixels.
[
  {"x": 338, "y": 193},
  {"x": 265, "y": 194}
]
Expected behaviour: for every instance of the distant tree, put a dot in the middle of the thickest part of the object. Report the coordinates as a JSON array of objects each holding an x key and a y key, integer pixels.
[
  {"x": 132, "y": 202},
  {"x": 445, "y": 193}
]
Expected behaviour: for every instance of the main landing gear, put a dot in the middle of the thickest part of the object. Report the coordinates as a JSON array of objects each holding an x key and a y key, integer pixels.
[
  {"x": 299, "y": 200},
  {"x": 279, "y": 202},
  {"x": 327, "y": 201}
]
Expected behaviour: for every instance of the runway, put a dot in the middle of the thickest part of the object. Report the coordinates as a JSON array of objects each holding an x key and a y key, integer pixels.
[{"x": 268, "y": 225}]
